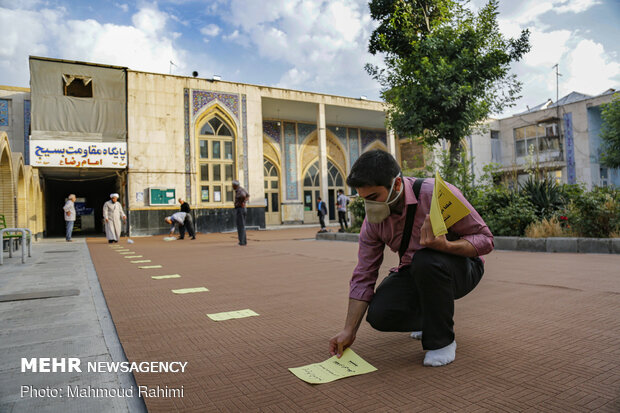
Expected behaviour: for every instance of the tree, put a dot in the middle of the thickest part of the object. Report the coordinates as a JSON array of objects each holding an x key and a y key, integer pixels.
[
  {"x": 610, "y": 133},
  {"x": 446, "y": 67}
]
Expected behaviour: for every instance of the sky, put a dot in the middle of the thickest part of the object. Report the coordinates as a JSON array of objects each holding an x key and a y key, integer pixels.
[{"x": 313, "y": 45}]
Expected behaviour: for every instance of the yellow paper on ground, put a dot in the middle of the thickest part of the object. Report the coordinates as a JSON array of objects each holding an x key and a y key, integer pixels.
[
  {"x": 334, "y": 368},
  {"x": 140, "y": 261},
  {"x": 132, "y": 256},
  {"x": 229, "y": 315},
  {"x": 126, "y": 252},
  {"x": 147, "y": 267},
  {"x": 163, "y": 277},
  {"x": 190, "y": 290},
  {"x": 446, "y": 208}
]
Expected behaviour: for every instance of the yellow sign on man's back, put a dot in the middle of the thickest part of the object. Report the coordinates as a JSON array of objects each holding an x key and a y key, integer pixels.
[{"x": 446, "y": 208}]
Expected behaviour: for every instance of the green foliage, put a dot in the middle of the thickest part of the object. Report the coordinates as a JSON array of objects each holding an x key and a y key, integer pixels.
[
  {"x": 610, "y": 133},
  {"x": 447, "y": 68},
  {"x": 545, "y": 195},
  {"x": 356, "y": 206},
  {"x": 506, "y": 212},
  {"x": 595, "y": 213}
]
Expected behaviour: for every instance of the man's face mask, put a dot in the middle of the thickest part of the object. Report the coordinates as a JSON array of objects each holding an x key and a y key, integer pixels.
[{"x": 376, "y": 211}]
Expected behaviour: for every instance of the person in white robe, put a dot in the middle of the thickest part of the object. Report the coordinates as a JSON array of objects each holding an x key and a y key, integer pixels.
[{"x": 112, "y": 214}]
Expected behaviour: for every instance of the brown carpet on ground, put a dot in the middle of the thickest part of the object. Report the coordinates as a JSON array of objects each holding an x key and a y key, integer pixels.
[{"x": 540, "y": 333}]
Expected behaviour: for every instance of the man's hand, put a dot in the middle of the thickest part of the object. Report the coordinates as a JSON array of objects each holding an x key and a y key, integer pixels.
[
  {"x": 340, "y": 342},
  {"x": 106, "y": 220},
  {"x": 428, "y": 239},
  {"x": 68, "y": 213}
]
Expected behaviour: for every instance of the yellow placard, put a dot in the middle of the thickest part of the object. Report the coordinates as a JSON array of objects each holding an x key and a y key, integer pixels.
[
  {"x": 140, "y": 261},
  {"x": 190, "y": 290},
  {"x": 126, "y": 252},
  {"x": 228, "y": 315},
  {"x": 334, "y": 368},
  {"x": 132, "y": 256},
  {"x": 446, "y": 208},
  {"x": 148, "y": 267},
  {"x": 163, "y": 277}
]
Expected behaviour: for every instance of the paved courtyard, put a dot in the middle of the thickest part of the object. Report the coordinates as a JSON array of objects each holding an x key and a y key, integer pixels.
[{"x": 540, "y": 333}]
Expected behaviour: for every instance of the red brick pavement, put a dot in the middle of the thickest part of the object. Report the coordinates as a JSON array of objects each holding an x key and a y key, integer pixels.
[{"x": 540, "y": 333}]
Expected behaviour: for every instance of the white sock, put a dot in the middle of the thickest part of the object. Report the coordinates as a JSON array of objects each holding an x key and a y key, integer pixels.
[
  {"x": 442, "y": 356},
  {"x": 416, "y": 335}
]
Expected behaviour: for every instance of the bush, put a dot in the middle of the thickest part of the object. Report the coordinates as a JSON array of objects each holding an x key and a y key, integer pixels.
[
  {"x": 356, "y": 206},
  {"x": 546, "y": 228},
  {"x": 595, "y": 214},
  {"x": 545, "y": 195},
  {"x": 512, "y": 219}
]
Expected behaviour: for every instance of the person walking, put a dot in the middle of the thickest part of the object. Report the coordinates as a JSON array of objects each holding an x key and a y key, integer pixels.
[
  {"x": 341, "y": 203},
  {"x": 241, "y": 198},
  {"x": 417, "y": 296},
  {"x": 112, "y": 214},
  {"x": 70, "y": 215},
  {"x": 321, "y": 212}
]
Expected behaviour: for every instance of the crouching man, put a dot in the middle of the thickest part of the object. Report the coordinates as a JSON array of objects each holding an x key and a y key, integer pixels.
[
  {"x": 182, "y": 220},
  {"x": 418, "y": 295}
]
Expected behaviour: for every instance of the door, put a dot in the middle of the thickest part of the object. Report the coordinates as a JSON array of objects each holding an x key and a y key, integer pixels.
[
  {"x": 312, "y": 191},
  {"x": 272, "y": 193}
]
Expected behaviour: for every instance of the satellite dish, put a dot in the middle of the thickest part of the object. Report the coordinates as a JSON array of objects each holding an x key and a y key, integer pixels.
[{"x": 195, "y": 73}]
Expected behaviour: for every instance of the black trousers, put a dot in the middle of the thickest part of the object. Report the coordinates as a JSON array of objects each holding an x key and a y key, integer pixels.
[
  {"x": 322, "y": 220},
  {"x": 189, "y": 224},
  {"x": 342, "y": 218},
  {"x": 241, "y": 214},
  {"x": 420, "y": 297}
]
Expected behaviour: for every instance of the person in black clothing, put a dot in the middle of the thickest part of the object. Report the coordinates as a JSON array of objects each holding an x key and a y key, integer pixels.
[
  {"x": 321, "y": 212},
  {"x": 184, "y": 208}
]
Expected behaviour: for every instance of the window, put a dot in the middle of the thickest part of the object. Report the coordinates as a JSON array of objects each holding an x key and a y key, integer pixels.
[
  {"x": 77, "y": 86},
  {"x": 541, "y": 139},
  {"x": 216, "y": 161}
]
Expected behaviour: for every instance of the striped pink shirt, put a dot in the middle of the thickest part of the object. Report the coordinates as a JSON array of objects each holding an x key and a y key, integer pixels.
[{"x": 374, "y": 237}]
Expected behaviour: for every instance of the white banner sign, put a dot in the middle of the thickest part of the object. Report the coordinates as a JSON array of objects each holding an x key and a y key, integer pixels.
[{"x": 74, "y": 154}]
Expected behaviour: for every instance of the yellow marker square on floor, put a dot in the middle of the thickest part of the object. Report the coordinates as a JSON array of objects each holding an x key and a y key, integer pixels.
[
  {"x": 190, "y": 290},
  {"x": 140, "y": 261},
  {"x": 163, "y": 277},
  {"x": 148, "y": 267},
  {"x": 229, "y": 315},
  {"x": 132, "y": 256},
  {"x": 126, "y": 252},
  {"x": 334, "y": 368}
]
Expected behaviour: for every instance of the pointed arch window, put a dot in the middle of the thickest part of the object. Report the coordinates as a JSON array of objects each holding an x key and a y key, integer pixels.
[{"x": 216, "y": 161}]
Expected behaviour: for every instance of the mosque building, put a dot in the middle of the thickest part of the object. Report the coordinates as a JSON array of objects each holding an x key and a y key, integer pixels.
[{"x": 154, "y": 138}]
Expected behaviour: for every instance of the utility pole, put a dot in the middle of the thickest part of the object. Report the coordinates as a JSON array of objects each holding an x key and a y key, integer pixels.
[
  {"x": 557, "y": 81},
  {"x": 172, "y": 64}
]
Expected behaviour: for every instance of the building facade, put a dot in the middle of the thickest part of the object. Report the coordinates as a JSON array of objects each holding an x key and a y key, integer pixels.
[{"x": 187, "y": 137}]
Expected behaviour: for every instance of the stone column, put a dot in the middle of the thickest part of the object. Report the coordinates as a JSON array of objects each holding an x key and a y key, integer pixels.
[
  {"x": 391, "y": 142},
  {"x": 322, "y": 137}
]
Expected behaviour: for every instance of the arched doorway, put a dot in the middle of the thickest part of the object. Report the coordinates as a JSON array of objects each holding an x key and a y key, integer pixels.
[
  {"x": 312, "y": 190},
  {"x": 7, "y": 206},
  {"x": 21, "y": 197},
  {"x": 272, "y": 193}
]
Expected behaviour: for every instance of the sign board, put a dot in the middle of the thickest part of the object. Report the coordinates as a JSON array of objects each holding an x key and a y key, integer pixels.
[
  {"x": 161, "y": 196},
  {"x": 74, "y": 154}
]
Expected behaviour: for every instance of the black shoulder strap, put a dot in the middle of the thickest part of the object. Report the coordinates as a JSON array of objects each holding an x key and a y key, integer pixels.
[{"x": 411, "y": 209}]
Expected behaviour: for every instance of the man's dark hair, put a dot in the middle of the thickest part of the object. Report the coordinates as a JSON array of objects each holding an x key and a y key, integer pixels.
[
  {"x": 340, "y": 191},
  {"x": 373, "y": 168}
]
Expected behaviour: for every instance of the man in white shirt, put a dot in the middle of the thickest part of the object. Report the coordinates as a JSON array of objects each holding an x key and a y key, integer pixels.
[{"x": 69, "y": 209}]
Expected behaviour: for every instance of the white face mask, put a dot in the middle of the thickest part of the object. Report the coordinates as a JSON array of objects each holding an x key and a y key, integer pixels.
[{"x": 376, "y": 211}]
